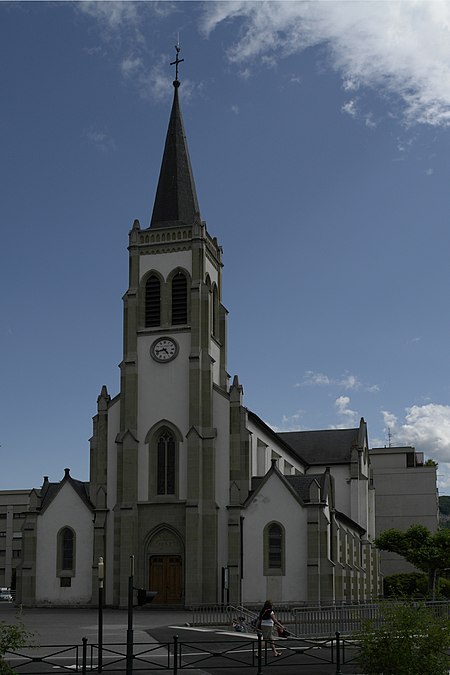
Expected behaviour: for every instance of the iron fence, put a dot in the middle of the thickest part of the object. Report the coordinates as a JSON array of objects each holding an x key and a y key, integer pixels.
[
  {"x": 308, "y": 621},
  {"x": 248, "y": 653}
]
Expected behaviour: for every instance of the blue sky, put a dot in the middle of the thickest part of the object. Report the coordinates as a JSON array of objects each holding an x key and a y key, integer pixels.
[{"x": 319, "y": 135}]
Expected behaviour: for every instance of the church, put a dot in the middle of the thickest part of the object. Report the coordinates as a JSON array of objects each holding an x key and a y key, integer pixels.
[{"x": 213, "y": 505}]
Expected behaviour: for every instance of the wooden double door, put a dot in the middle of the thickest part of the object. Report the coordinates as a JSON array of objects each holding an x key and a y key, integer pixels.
[{"x": 166, "y": 578}]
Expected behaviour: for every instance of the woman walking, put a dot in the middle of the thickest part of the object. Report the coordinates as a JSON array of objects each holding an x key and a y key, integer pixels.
[{"x": 267, "y": 621}]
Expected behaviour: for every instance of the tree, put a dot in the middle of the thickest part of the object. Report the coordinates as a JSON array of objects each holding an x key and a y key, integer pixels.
[
  {"x": 410, "y": 641},
  {"x": 428, "y": 551},
  {"x": 12, "y": 636}
]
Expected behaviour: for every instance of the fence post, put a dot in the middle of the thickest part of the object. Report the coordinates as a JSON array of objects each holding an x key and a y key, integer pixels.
[
  {"x": 175, "y": 654},
  {"x": 84, "y": 657},
  {"x": 338, "y": 653},
  {"x": 259, "y": 654}
]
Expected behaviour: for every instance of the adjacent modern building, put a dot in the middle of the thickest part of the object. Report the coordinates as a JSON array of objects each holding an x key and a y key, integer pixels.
[
  {"x": 406, "y": 494},
  {"x": 13, "y": 507}
]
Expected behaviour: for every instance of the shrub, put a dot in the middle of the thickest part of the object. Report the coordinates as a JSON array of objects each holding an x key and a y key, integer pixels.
[
  {"x": 410, "y": 641},
  {"x": 413, "y": 585},
  {"x": 406, "y": 585},
  {"x": 12, "y": 636}
]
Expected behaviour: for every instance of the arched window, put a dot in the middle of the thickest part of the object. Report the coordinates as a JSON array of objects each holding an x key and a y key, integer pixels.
[
  {"x": 215, "y": 312},
  {"x": 163, "y": 441},
  {"x": 165, "y": 480},
  {"x": 152, "y": 301},
  {"x": 65, "y": 563},
  {"x": 274, "y": 549},
  {"x": 179, "y": 299}
]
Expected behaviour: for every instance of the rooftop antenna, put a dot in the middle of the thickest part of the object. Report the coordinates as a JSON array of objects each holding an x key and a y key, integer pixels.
[
  {"x": 389, "y": 435},
  {"x": 177, "y": 60}
]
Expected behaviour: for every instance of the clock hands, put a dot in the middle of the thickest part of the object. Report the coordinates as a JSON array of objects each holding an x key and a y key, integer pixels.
[{"x": 164, "y": 350}]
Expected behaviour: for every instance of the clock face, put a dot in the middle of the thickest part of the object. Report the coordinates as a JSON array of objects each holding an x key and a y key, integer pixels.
[{"x": 164, "y": 349}]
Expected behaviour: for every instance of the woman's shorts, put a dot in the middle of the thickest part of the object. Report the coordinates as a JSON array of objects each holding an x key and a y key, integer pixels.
[{"x": 267, "y": 632}]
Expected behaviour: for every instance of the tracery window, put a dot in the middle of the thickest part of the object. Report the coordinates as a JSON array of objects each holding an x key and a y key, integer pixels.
[{"x": 166, "y": 464}]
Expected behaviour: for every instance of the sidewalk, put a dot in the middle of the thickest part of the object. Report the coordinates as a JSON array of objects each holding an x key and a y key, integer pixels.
[{"x": 54, "y": 626}]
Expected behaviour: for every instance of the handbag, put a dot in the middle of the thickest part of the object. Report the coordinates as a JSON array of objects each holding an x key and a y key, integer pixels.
[{"x": 282, "y": 632}]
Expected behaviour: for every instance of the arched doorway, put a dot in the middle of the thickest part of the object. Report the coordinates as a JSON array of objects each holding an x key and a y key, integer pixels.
[{"x": 165, "y": 567}]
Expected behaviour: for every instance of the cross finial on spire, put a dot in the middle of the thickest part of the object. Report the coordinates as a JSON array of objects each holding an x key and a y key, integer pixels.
[{"x": 177, "y": 61}]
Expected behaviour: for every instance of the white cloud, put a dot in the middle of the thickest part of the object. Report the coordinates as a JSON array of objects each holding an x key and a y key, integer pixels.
[
  {"x": 347, "y": 381},
  {"x": 426, "y": 427},
  {"x": 99, "y": 139},
  {"x": 112, "y": 16},
  {"x": 390, "y": 420},
  {"x": 131, "y": 65},
  {"x": 350, "y": 108},
  {"x": 400, "y": 48},
  {"x": 342, "y": 405},
  {"x": 314, "y": 378},
  {"x": 121, "y": 25}
]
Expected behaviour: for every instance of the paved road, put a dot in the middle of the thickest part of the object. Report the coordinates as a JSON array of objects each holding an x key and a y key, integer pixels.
[{"x": 152, "y": 628}]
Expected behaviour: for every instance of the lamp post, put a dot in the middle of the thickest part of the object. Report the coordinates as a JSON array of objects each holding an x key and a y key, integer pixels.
[
  {"x": 101, "y": 577},
  {"x": 129, "y": 669}
]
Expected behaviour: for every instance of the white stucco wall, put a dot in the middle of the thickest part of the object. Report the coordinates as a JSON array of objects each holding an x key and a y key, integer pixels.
[
  {"x": 162, "y": 389},
  {"x": 66, "y": 510},
  {"x": 164, "y": 263},
  {"x": 273, "y": 502},
  {"x": 341, "y": 475}
]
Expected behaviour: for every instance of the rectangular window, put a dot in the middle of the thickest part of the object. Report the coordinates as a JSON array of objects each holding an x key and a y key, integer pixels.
[{"x": 65, "y": 582}]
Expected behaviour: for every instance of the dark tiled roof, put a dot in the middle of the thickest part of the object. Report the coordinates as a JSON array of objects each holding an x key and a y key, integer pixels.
[
  {"x": 330, "y": 446},
  {"x": 50, "y": 490},
  {"x": 302, "y": 484},
  {"x": 176, "y": 199},
  {"x": 277, "y": 437}
]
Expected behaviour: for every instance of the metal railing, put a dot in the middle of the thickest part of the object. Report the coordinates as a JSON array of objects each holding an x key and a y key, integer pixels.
[
  {"x": 319, "y": 621},
  {"x": 243, "y": 652}
]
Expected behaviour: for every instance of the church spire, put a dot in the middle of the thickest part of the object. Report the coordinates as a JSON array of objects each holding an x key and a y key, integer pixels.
[{"x": 176, "y": 199}]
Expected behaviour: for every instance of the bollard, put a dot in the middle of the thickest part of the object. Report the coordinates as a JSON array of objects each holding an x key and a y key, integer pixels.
[
  {"x": 84, "y": 657},
  {"x": 175, "y": 654},
  {"x": 259, "y": 654},
  {"x": 338, "y": 653}
]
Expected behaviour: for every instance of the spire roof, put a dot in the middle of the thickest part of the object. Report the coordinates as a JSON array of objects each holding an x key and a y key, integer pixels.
[{"x": 176, "y": 199}]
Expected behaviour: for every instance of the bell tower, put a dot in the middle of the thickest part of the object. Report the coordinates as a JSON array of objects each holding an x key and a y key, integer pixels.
[{"x": 167, "y": 444}]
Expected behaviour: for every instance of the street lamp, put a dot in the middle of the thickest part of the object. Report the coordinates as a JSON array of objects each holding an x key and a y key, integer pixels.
[{"x": 101, "y": 578}]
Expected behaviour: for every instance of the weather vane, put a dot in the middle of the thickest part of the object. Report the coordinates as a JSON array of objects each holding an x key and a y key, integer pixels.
[{"x": 177, "y": 60}]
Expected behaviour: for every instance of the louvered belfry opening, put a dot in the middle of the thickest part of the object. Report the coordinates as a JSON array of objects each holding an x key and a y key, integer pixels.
[
  {"x": 179, "y": 299},
  {"x": 152, "y": 302}
]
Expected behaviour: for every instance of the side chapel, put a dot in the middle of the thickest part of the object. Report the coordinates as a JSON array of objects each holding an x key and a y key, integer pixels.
[{"x": 211, "y": 502}]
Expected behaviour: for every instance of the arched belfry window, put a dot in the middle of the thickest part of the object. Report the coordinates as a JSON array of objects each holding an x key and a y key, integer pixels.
[
  {"x": 166, "y": 464},
  {"x": 274, "y": 545},
  {"x": 152, "y": 301},
  {"x": 215, "y": 312},
  {"x": 179, "y": 299}
]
